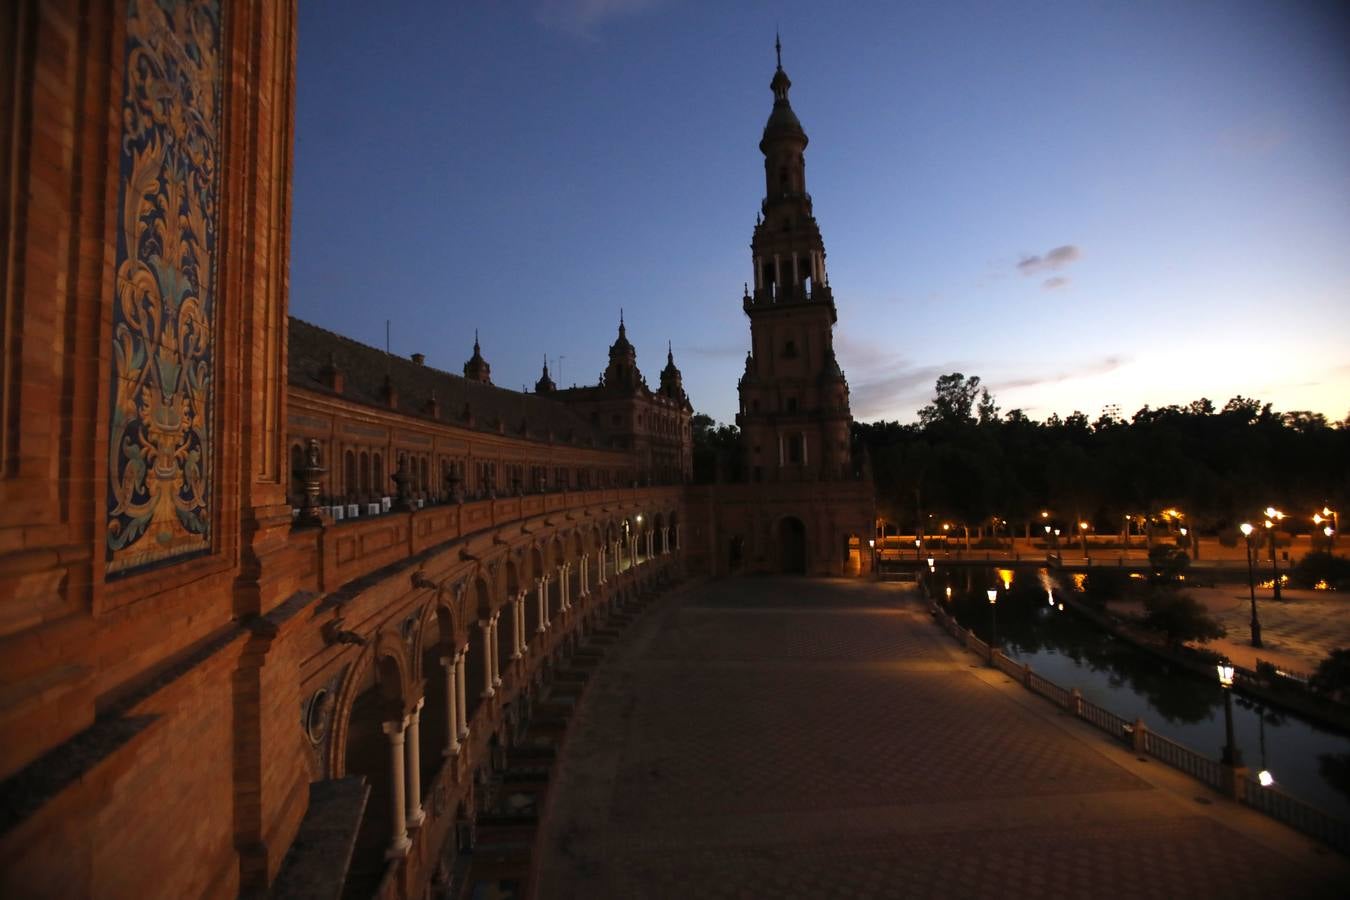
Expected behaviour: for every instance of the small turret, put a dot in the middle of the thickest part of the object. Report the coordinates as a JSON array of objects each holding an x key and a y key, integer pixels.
[
  {"x": 545, "y": 384},
  {"x": 672, "y": 383},
  {"x": 477, "y": 368}
]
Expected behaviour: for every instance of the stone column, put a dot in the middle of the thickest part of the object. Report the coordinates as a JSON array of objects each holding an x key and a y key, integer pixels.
[
  {"x": 562, "y": 587},
  {"x": 600, "y": 564},
  {"x": 496, "y": 651},
  {"x": 414, "y": 747},
  {"x": 451, "y": 704},
  {"x": 515, "y": 627},
  {"x": 399, "y": 843},
  {"x": 462, "y": 660},
  {"x": 485, "y": 629},
  {"x": 522, "y": 638}
]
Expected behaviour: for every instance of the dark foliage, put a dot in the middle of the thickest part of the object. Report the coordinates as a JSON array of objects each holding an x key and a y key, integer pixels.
[
  {"x": 964, "y": 464},
  {"x": 1180, "y": 617},
  {"x": 1321, "y": 566}
]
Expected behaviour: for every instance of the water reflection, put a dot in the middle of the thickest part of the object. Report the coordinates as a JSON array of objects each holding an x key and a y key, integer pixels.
[{"x": 1063, "y": 646}]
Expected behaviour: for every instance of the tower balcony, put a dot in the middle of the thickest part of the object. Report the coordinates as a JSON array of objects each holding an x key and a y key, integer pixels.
[{"x": 784, "y": 294}]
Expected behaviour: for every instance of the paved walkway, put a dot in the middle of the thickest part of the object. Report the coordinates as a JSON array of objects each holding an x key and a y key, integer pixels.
[{"x": 787, "y": 738}]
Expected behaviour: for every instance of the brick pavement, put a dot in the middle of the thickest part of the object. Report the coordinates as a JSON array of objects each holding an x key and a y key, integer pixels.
[{"x": 789, "y": 738}]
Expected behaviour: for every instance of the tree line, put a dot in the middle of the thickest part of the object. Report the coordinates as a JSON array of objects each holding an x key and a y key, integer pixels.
[
  {"x": 964, "y": 462},
  {"x": 967, "y": 464}
]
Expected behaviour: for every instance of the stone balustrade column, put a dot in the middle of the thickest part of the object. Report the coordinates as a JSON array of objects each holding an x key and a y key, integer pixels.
[
  {"x": 451, "y": 704},
  {"x": 562, "y": 587},
  {"x": 600, "y": 564},
  {"x": 399, "y": 843},
  {"x": 522, "y": 599},
  {"x": 462, "y": 679},
  {"x": 485, "y": 629},
  {"x": 416, "y": 816}
]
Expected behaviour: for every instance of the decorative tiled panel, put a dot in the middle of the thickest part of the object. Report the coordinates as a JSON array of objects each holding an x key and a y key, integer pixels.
[{"x": 160, "y": 442}]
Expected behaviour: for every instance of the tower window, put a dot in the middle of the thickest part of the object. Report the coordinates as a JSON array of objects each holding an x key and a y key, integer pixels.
[{"x": 790, "y": 349}]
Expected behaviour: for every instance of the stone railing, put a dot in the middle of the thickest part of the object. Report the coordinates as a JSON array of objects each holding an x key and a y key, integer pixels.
[
  {"x": 329, "y": 556},
  {"x": 1273, "y": 802}
]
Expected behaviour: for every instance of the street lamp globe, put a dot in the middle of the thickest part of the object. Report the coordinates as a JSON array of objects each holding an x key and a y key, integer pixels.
[
  {"x": 1225, "y": 670},
  {"x": 1328, "y": 530},
  {"x": 993, "y": 595},
  {"x": 872, "y": 542},
  {"x": 1265, "y": 778},
  {"x": 1047, "y": 529},
  {"x": 1246, "y": 529},
  {"x": 930, "y": 562}
]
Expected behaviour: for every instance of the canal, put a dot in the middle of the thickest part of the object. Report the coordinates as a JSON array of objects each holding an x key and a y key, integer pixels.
[{"x": 1306, "y": 760}]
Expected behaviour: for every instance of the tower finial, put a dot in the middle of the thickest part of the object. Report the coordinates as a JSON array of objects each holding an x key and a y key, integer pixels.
[
  {"x": 475, "y": 340},
  {"x": 778, "y": 47}
]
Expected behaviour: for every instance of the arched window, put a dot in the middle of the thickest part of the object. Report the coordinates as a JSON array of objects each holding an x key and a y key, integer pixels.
[
  {"x": 381, "y": 483},
  {"x": 365, "y": 473},
  {"x": 349, "y": 474}
]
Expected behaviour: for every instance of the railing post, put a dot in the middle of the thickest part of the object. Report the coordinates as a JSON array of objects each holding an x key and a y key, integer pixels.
[
  {"x": 1074, "y": 703},
  {"x": 1234, "y": 781},
  {"x": 1139, "y": 736},
  {"x": 1026, "y": 675}
]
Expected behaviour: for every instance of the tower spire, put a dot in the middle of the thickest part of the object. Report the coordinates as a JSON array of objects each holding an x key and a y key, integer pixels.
[{"x": 778, "y": 48}]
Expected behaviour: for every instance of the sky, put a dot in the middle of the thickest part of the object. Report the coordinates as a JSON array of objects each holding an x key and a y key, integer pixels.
[{"x": 1082, "y": 203}]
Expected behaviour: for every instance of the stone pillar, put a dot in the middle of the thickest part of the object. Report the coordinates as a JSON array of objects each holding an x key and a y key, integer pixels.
[
  {"x": 414, "y": 747},
  {"x": 399, "y": 843},
  {"x": 463, "y": 660},
  {"x": 451, "y": 704},
  {"x": 521, "y": 599},
  {"x": 600, "y": 563},
  {"x": 496, "y": 650},
  {"x": 485, "y": 629},
  {"x": 515, "y": 628},
  {"x": 562, "y": 587}
]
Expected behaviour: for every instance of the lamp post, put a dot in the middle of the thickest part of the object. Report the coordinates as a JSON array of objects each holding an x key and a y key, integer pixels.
[
  {"x": 872, "y": 545},
  {"x": 1231, "y": 756},
  {"x": 992, "y": 593},
  {"x": 917, "y": 544},
  {"x": 1082, "y": 534},
  {"x": 1247, "y": 529},
  {"x": 1273, "y": 515}
]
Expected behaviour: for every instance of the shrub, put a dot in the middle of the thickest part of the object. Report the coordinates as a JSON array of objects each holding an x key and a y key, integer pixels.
[
  {"x": 1322, "y": 566},
  {"x": 1333, "y": 673},
  {"x": 1180, "y": 617},
  {"x": 1167, "y": 564}
]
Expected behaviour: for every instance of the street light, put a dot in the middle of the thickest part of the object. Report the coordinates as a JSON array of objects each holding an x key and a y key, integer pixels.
[
  {"x": 1247, "y": 530},
  {"x": 917, "y": 542},
  {"x": 992, "y": 593},
  {"x": 872, "y": 545},
  {"x": 1231, "y": 756},
  {"x": 1275, "y": 514}
]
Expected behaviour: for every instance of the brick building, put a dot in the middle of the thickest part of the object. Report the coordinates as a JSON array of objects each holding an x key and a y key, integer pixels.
[{"x": 277, "y": 608}]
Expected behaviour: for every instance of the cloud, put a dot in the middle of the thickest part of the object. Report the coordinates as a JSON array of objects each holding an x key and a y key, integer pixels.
[
  {"x": 1053, "y": 260},
  {"x": 583, "y": 17},
  {"x": 888, "y": 394},
  {"x": 1051, "y": 284},
  {"x": 1101, "y": 367}
]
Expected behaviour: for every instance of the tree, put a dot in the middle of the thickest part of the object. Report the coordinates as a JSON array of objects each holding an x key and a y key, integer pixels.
[
  {"x": 1333, "y": 673},
  {"x": 954, "y": 398},
  {"x": 1180, "y": 617}
]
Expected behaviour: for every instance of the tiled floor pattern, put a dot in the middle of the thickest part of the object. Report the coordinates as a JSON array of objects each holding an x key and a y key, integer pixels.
[{"x": 784, "y": 738}]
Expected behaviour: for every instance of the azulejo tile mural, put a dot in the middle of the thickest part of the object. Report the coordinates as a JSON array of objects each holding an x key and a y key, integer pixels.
[{"x": 160, "y": 452}]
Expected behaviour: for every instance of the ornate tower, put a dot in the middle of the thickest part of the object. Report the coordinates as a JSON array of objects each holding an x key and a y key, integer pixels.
[
  {"x": 477, "y": 368},
  {"x": 622, "y": 372},
  {"x": 794, "y": 413}
]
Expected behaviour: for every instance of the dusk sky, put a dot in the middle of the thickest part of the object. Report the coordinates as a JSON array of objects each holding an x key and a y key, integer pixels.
[{"x": 1082, "y": 203}]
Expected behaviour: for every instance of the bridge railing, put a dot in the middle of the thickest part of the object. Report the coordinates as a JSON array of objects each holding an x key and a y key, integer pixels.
[{"x": 1295, "y": 813}]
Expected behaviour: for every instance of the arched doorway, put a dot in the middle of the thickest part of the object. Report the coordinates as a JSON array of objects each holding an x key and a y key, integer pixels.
[{"x": 792, "y": 545}]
